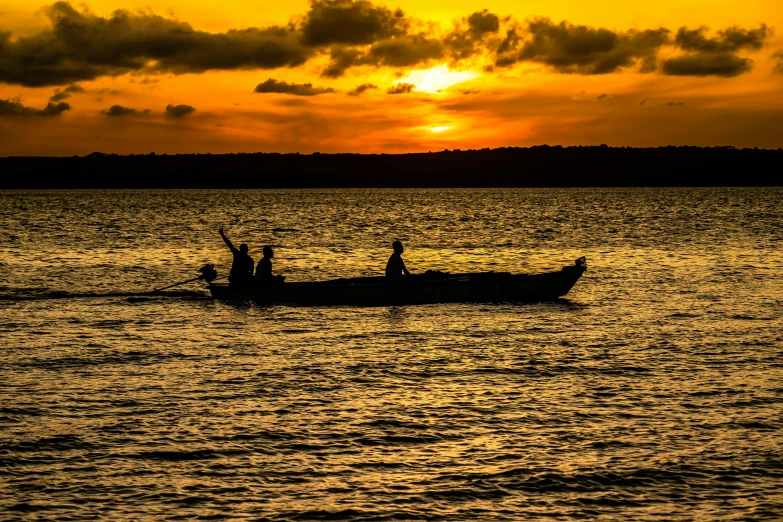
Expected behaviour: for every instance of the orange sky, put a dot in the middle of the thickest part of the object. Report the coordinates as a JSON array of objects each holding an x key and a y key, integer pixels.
[{"x": 188, "y": 77}]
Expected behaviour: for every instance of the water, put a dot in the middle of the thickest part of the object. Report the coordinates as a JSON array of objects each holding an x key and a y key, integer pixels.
[{"x": 653, "y": 392}]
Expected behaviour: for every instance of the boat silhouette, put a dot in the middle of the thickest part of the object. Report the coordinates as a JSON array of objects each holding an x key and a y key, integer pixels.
[{"x": 430, "y": 287}]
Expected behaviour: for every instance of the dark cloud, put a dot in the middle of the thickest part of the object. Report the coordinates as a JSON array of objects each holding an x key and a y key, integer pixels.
[
  {"x": 59, "y": 96},
  {"x": 601, "y": 97},
  {"x": 707, "y": 64},
  {"x": 779, "y": 66},
  {"x": 81, "y": 46},
  {"x": 15, "y": 108},
  {"x": 64, "y": 94},
  {"x": 641, "y": 103},
  {"x": 341, "y": 59},
  {"x": 178, "y": 111},
  {"x": 510, "y": 42},
  {"x": 404, "y": 51},
  {"x": 362, "y": 88},
  {"x": 675, "y": 104},
  {"x": 585, "y": 50},
  {"x": 401, "y": 88},
  {"x": 483, "y": 22},
  {"x": 472, "y": 35},
  {"x": 119, "y": 110},
  {"x": 350, "y": 22},
  {"x": 84, "y": 46},
  {"x": 728, "y": 40},
  {"x": 715, "y": 56},
  {"x": 297, "y": 89}
]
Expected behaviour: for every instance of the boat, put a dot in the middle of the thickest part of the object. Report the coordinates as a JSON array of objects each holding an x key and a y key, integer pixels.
[{"x": 428, "y": 288}]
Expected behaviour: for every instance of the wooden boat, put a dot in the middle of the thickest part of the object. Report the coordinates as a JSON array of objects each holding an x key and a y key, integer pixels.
[{"x": 427, "y": 288}]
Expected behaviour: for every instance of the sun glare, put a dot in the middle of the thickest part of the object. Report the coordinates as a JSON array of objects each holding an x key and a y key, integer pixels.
[
  {"x": 437, "y": 78},
  {"x": 440, "y": 128}
]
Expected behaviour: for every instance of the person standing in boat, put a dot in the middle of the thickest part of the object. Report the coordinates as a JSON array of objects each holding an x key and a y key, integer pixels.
[
  {"x": 396, "y": 266},
  {"x": 264, "y": 274},
  {"x": 242, "y": 266}
]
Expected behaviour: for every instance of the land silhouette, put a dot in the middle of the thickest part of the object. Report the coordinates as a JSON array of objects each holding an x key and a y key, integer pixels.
[{"x": 539, "y": 166}]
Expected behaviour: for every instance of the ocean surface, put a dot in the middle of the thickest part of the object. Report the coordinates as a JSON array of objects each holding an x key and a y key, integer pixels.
[{"x": 653, "y": 391}]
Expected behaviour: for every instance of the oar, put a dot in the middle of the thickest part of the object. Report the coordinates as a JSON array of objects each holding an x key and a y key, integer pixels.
[{"x": 177, "y": 284}]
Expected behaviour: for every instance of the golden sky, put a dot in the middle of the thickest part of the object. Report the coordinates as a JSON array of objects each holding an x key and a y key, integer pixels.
[{"x": 360, "y": 76}]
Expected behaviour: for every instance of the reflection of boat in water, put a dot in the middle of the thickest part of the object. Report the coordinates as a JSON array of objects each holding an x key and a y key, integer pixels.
[{"x": 427, "y": 288}]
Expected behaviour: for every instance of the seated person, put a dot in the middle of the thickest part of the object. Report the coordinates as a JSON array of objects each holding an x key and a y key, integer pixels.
[
  {"x": 396, "y": 266},
  {"x": 264, "y": 274},
  {"x": 242, "y": 267}
]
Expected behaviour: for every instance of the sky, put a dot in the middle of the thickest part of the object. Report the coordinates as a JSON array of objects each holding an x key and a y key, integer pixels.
[{"x": 128, "y": 76}]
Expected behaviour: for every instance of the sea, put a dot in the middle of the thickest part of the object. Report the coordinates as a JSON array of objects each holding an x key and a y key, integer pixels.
[{"x": 652, "y": 391}]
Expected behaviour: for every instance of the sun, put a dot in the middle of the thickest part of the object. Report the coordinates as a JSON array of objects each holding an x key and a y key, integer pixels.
[{"x": 436, "y": 79}]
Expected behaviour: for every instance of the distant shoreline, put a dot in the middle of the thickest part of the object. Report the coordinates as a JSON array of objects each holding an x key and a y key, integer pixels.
[{"x": 531, "y": 167}]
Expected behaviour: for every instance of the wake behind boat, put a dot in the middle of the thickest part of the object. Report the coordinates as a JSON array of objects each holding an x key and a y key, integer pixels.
[{"x": 428, "y": 288}]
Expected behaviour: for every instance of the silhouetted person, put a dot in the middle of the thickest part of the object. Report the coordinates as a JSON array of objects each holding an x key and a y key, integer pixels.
[
  {"x": 242, "y": 266},
  {"x": 396, "y": 266},
  {"x": 264, "y": 269}
]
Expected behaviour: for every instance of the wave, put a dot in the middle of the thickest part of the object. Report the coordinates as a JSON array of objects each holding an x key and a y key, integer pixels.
[{"x": 28, "y": 294}]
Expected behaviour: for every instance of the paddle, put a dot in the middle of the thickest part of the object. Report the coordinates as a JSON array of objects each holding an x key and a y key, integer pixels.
[{"x": 177, "y": 284}]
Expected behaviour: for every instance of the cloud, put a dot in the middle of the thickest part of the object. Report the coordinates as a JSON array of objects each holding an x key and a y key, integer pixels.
[
  {"x": 350, "y": 22},
  {"x": 119, "y": 110},
  {"x": 178, "y": 111},
  {"x": 715, "y": 56},
  {"x": 64, "y": 94},
  {"x": 471, "y": 36},
  {"x": 584, "y": 50},
  {"x": 728, "y": 40},
  {"x": 342, "y": 58},
  {"x": 602, "y": 97},
  {"x": 84, "y": 46},
  {"x": 707, "y": 64},
  {"x": 59, "y": 96},
  {"x": 15, "y": 108},
  {"x": 297, "y": 89},
  {"x": 401, "y": 88},
  {"x": 403, "y": 51},
  {"x": 482, "y": 22},
  {"x": 81, "y": 46},
  {"x": 675, "y": 104},
  {"x": 779, "y": 66},
  {"x": 362, "y": 88},
  {"x": 641, "y": 103}
]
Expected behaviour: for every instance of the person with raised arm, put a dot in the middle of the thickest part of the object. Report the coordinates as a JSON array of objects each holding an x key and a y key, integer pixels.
[{"x": 242, "y": 266}]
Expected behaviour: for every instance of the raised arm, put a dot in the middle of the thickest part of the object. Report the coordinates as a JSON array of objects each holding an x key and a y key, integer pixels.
[{"x": 228, "y": 242}]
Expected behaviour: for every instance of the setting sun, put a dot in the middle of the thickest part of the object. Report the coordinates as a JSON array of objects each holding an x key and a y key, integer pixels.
[
  {"x": 436, "y": 79},
  {"x": 440, "y": 128}
]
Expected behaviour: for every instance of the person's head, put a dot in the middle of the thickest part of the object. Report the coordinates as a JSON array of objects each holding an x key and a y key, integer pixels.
[
  {"x": 268, "y": 252},
  {"x": 397, "y": 246},
  {"x": 243, "y": 248}
]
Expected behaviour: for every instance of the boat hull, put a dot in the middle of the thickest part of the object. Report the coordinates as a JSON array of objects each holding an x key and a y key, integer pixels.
[{"x": 424, "y": 289}]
